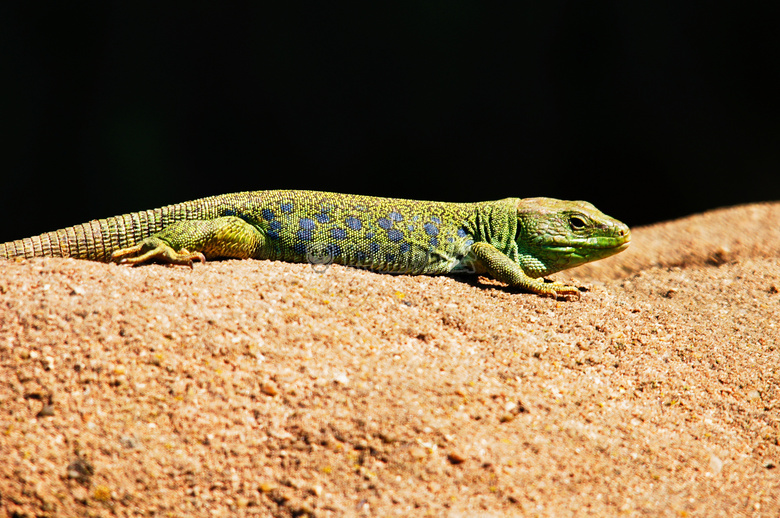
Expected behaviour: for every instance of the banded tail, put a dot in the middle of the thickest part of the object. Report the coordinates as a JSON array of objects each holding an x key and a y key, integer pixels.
[{"x": 97, "y": 239}]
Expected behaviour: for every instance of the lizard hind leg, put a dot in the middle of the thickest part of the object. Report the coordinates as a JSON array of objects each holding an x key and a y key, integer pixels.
[{"x": 186, "y": 241}]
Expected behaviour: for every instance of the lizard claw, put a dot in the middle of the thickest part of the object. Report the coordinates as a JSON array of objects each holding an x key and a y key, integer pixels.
[
  {"x": 192, "y": 256},
  {"x": 558, "y": 290}
]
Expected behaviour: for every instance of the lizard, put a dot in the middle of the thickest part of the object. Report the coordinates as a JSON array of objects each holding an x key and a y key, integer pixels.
[{"x": 518, "y": 241}]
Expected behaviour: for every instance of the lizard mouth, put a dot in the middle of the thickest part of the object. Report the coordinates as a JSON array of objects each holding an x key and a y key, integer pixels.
[
  {"x": 618, "y": 244},
  {"x": 588, "y": 249}
]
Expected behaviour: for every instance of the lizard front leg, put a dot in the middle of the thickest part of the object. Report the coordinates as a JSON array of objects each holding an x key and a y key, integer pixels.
[
  {"x": 502, "y": 268},
  {"x": 194, "y": 240}
]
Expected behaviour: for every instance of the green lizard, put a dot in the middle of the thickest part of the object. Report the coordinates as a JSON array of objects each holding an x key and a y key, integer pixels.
[{"x": 515, "y": 240}]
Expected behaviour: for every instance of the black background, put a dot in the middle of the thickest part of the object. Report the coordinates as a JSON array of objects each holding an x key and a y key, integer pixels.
[{"x": 649, "y": 109}]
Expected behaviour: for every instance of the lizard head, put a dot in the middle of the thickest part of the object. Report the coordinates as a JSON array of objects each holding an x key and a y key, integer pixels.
[{"x": 553, "y": 235}]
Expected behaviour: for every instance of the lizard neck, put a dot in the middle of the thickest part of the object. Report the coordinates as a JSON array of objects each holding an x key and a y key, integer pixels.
[{"x": 495, "y": 222}]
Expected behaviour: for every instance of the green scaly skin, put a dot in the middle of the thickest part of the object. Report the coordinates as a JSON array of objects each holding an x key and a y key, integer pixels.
[{"x": 515, "y": 240}]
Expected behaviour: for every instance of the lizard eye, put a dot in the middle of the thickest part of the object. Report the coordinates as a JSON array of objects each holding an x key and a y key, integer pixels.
[{"x": 577, "y": 223}]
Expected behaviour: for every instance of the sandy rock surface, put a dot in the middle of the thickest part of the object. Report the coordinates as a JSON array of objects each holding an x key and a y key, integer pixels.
[{"x": 259, "y": 388}]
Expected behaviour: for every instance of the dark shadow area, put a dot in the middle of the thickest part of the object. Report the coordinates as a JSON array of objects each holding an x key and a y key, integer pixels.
[{"x": 650, "y": 110}]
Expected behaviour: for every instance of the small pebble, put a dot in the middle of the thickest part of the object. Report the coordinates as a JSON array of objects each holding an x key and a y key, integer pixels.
[
  {"x": 46, "y": 411},
  {"x": 269, "y": 388},
  {"x": 456, "y": 457}
]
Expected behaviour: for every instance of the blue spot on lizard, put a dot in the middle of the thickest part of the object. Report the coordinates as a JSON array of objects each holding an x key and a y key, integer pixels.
[
  {"x": 395, "y": 235},
  {"x": 353, "y": 223},
  {"x": 384, "y": 223},
  {"x": 307, "y": 223}
]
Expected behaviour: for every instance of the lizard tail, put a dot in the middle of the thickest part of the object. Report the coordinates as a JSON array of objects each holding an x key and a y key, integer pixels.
[{"x": 95, "y": 240}]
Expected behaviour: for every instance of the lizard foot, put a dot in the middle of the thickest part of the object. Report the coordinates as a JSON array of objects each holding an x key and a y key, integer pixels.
[
  {"x": 155, "y": 250},
  {"x": 557, "y": 290}
]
